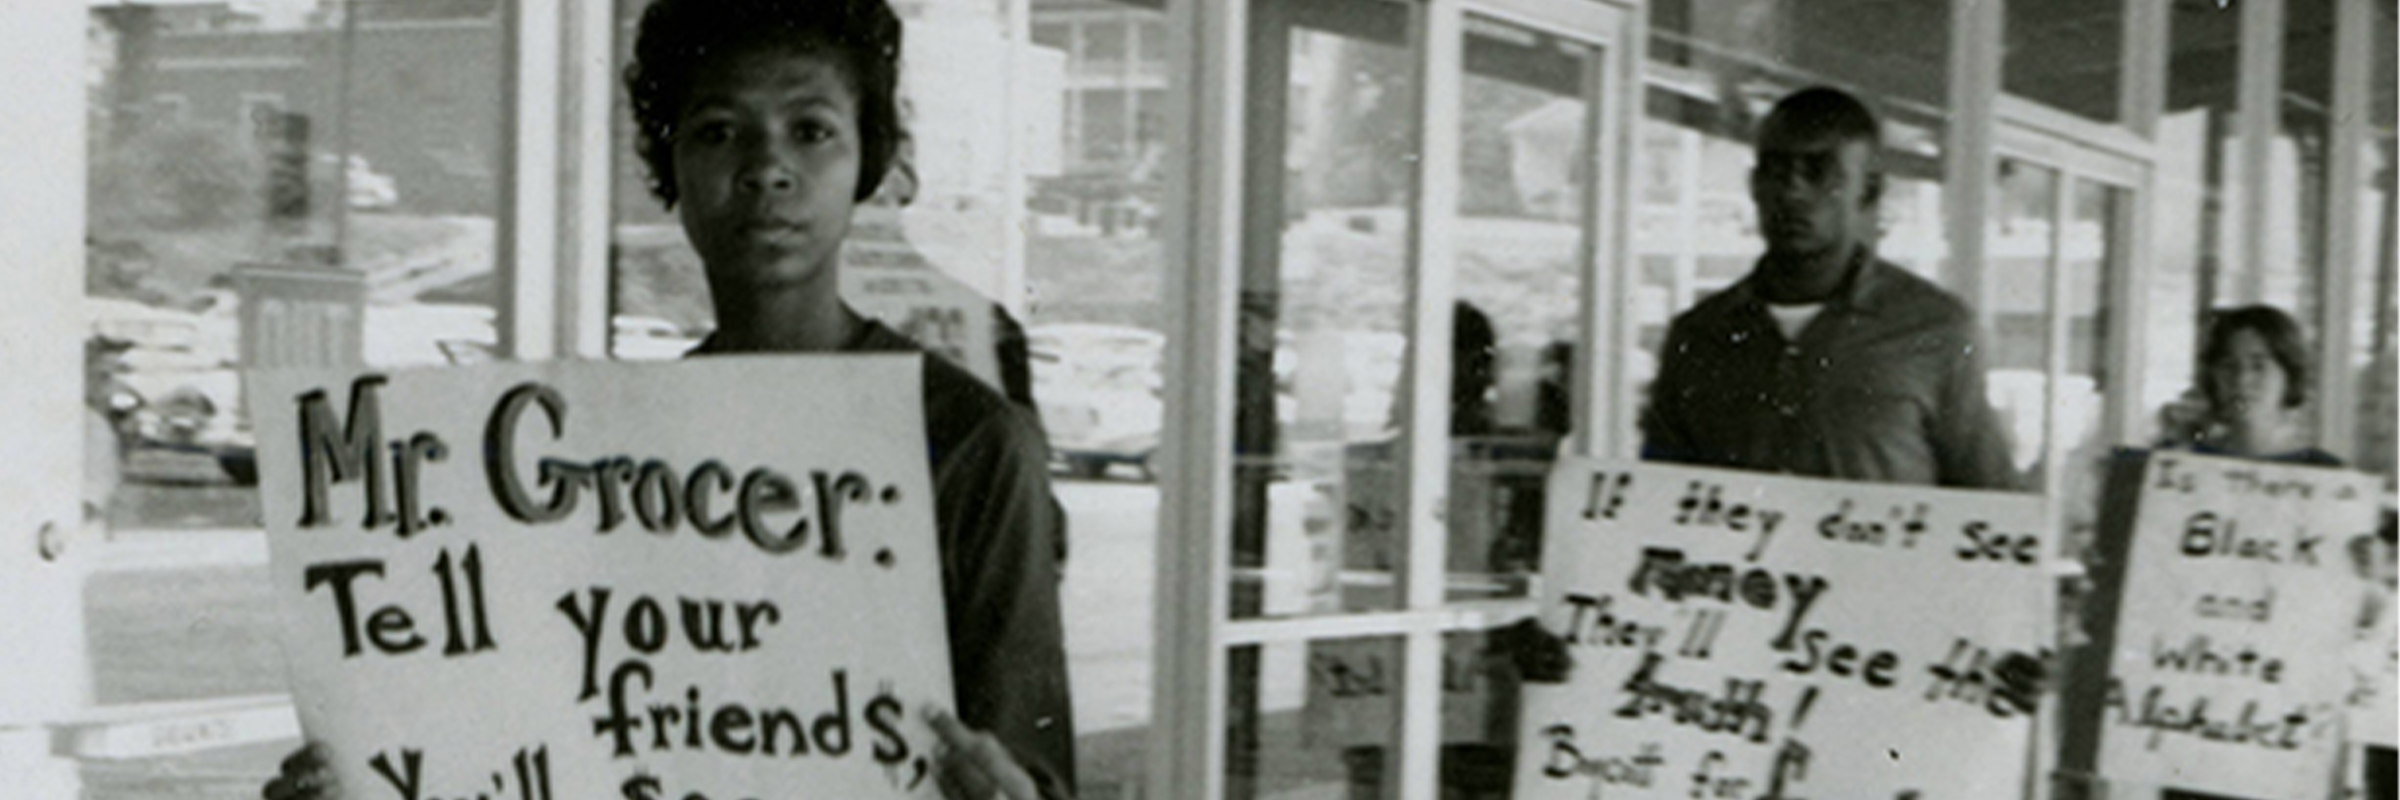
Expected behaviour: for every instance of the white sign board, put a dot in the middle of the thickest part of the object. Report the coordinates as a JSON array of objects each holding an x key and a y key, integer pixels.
[
  {"x": 1741, "y": 635},
  {"x": 707, "y": 579},
  {"x": 2234, "y": 603}
]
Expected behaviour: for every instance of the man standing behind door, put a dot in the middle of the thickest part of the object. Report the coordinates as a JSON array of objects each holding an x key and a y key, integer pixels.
[{"x": 1826, "y": 361}]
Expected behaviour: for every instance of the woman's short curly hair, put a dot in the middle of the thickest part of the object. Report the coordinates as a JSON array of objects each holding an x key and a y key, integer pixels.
[
  {"x": 861, "y": 36},
  {"x": 2282, "y": 337}
]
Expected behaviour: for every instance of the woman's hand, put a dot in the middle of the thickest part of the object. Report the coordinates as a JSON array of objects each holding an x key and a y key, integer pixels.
[
  {"x": 306, "y": 775},
  {"x": 974, "y": 765}
]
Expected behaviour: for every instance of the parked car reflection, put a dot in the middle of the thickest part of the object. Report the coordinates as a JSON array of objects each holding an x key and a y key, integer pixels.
[{"x": 1098, "y": 389}]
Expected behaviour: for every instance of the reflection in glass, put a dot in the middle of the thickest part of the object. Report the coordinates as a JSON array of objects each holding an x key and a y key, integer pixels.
[
  {"x": 269, "y": 185},
  {"x": 2090, "y": 264},
  {"x": 2376, "y": 321},
  {"x": 253, "y": 206},
  {"x": 2296, "y": 176},
  {"x": 1319, "y": 719},
  {"x": 2195, "y": 201},
  {"x": 1323, "y": 308},
  {"x": 2019, "y": 249},
  {"x": 1526, "y": 157}
]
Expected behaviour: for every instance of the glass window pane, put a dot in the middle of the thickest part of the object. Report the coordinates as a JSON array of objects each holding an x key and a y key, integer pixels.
[
  {"x": 2091, "y": 261},
  {"x": 2194, "y": 200},
  {"x": 1323, "y": 310},
  {"x": 2017, "y": 265},
  {"x": 2374, "y": 337},
  {"x": 2296, "y": 176},
  {"x": 1526, "y": 154},
  {"x": 1900, "y": 57},
  {"x": 1054, "y": 35},
  {"x": 1313, "y": 719},
  {"x": 2376, "y": 321},
  {"x": 1094, "y": 261},
  {"x": 268, "y": 185},
  {"x": 2067, "y": 54},
  {"x": 1104, "y": 42},
  {"x": 1480, "y": 691},
  {"x": 1104, "y": 132},
  {"x": 1151, "y": 36}
]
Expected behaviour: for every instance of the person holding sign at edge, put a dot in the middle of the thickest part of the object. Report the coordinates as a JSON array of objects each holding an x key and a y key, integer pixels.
[
  {"x": 2254, "y": 391},
  {"x": 2253, "y": 400},
  {"x": 763, "y": 124},
  {"x": 1825, "y": 361}
]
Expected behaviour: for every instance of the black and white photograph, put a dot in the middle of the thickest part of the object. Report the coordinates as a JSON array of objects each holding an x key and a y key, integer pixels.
[{"x": 1199, "y": 400}]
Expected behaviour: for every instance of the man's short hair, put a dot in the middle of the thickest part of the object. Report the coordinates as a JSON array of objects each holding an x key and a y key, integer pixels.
[
  {"x": 862, "y": 37},
  {"x": 1827, "y": 111}
]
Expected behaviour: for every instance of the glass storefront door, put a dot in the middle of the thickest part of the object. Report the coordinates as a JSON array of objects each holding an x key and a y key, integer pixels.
[{"x": 1420, "y": 262}]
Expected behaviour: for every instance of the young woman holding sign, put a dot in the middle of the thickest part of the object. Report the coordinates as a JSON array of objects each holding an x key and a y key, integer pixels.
[
  {"x": 764, "y": 124},
  {"x": 2253, "y": 391}
]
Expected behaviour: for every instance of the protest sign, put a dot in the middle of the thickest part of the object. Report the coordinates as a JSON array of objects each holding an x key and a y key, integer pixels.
[
  {"x": 708, "y": 579},
  {"x": 2224, "y": 608},
  {"x": 1740, "y": 635}
]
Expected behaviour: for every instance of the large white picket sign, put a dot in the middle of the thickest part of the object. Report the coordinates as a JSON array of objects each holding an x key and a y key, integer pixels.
[
  {"x": 707, "y": 579},
  {"x": 1738, "y": 635},
  {"x": 2232, "y": 606}
]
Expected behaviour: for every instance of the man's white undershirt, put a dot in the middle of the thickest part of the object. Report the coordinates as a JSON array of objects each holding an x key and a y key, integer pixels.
[{"x": 1793, "y": 319}]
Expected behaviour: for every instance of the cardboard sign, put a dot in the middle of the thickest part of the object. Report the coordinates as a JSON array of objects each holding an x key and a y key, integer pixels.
[
  {"x": 707, "y": 579},
  {"x": 2226, "y": 604},
  {"x": 1740, "y": 635}
]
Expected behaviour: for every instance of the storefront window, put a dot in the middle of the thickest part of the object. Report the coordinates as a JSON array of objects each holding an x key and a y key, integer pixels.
[
  {"x": 1527, "y": 150},
  {"x": 2296, "y": 177},
  {"x": 1323, "y": 315},
  {"x": 1321, "y": 719},
  {"x": 1104, "y": 43},
  {"x": 2019, "y": 249},
  {"x": 293, "y": 185},
  {"x": 2375, "y": 322},
  {"x": 2194, "y": 207}
]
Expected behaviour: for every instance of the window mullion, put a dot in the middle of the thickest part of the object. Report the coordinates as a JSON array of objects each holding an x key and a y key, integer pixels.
[
  {"x": 2259, "y": 98},
  {"x": 1185, "y": 743},
  {"x": 2354, "y": 46},
  {"x": 527, "y": 228},
  {"x": 1425, "y": 469},
  {"x": 588, "y": 151}
]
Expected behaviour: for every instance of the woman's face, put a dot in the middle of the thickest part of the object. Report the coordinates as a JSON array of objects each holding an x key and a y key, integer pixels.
[
  {"x": 2247, "y": 377},
  {"x": 766, "y": 158}
]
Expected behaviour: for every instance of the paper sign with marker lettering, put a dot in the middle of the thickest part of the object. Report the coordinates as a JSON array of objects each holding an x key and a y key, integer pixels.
[
  {"x": 706, "y": 579},
  {"x": 1740, "y": 635},
  {"x": 2229, "y": 602}
]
